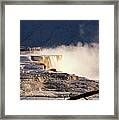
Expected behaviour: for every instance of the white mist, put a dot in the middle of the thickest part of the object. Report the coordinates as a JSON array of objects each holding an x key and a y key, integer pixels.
[{"x": 79, "y": 60}]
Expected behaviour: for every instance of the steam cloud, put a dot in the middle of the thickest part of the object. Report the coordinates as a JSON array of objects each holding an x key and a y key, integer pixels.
[{"x": 79, "y": 60}]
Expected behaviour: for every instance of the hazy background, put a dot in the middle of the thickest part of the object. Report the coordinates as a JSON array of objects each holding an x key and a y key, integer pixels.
[{"x": 82, "y": 61}]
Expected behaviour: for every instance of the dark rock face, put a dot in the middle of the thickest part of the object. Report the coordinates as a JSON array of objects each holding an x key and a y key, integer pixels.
[
  {"x": 56, "y": 85},
  {"x": 46, "y": 33}
]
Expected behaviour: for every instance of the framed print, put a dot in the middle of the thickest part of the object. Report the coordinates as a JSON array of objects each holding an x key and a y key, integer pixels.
[{"x": 59, "y": 60}]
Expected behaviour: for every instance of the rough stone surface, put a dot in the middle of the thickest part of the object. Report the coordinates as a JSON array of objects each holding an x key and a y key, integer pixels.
[{"x": 55, "y": 85}]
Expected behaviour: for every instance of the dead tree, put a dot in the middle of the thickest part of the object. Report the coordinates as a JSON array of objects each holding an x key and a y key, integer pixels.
[{"x": 87, "y": 94}]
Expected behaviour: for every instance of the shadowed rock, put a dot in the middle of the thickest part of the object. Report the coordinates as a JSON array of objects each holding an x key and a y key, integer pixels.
[{"x": 84, "y": 95}]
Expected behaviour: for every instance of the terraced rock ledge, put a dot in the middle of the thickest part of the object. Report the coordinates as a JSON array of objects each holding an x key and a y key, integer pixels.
[{"x": 57, "y": 86}]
